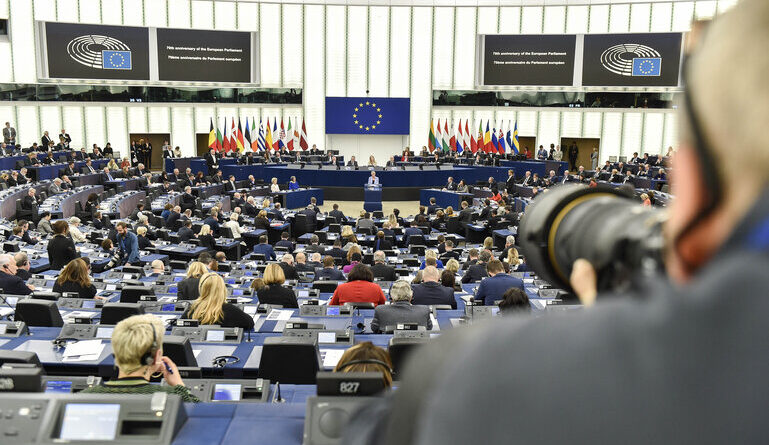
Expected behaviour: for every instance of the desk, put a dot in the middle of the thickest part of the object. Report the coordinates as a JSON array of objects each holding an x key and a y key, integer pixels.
[
  {"x": 372, "y": 198},
  {"x": 123, "y": 184},
  {"x": 176, "y": 252},
  {"x": 298, "y": 198},
  {"x": 444, "y": 198},
  {"x": 206, "y": 191},
  {"x": 43, "y": 172},
  {"x": 9, "y": 197},
  {"x": 65, "y": 207}
]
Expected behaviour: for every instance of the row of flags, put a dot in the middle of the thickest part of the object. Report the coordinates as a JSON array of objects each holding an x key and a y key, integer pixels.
[
  {"x": 460, "y": 139},
  {"x": 271, "y": 137}
]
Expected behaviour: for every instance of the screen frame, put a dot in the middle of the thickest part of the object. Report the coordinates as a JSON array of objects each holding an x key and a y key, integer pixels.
[
  {"x": 230, "y": 386},
  {"x": 63, "y": 418}
]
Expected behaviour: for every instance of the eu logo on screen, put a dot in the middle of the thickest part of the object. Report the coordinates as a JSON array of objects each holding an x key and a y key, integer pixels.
[
  {"x": 116, "y": 60},
  {"x": 650, "y": 66}
]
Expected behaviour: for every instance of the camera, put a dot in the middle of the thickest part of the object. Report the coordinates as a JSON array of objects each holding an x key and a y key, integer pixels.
[{"x": 620, "y": 238}]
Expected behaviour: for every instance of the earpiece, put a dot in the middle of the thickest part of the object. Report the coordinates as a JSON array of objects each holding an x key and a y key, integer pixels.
[
  {"x": 224, "y": 360},
  {"x": 149, "y": 357}
]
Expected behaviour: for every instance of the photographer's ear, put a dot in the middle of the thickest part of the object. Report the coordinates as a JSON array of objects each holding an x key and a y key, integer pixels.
[{"x": 584, "y": 281}]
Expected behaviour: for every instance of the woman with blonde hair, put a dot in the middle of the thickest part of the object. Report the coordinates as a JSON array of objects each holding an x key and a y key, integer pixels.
[
  {"x": 488, "y": 243},
  {"x": 211, "y": 306},
  {"x": 74, "y": 278},
  {"x": 112, "y": 165},
  {"x": 431, "y": 255},
  {"x": 234, "y": 226},
  {"x": 141, "y": 237},
  {"x": 273, "y": 291},
  {"x": 206, "y": 238},
  {"x": 371, "y": 161},
  {"x": 261, "y": 221},
  {"x": 449, "y": 211},
  {"x": 274, "y": 187},
  {"x": 187, "y": 289},
  {"x": 393, "y": 220},
  {"x": 513, "y": 259},
  {"x": 365, "y": 357},
  {"x": 132, "y": 340},
  {"x": 349, "y": 236},
  {"x": 452, "y": 266}
]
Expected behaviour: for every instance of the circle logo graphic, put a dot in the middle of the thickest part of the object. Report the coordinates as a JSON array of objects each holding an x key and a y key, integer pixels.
[
  {"x": 87, "y": 50},
  {"x": 619, "y": 58}
]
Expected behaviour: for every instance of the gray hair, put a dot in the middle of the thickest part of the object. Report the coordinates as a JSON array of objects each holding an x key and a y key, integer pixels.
[
  {"x": 6, "y": 259},
  {"x": 401, "y": 291},
  {"x": 510, "y": 240},
  {"x": 287, "y": 258},
  {"x": 430, "y": 273},
  {"x": 316, "y": 257},
  {"x": 379, "y": 256}
]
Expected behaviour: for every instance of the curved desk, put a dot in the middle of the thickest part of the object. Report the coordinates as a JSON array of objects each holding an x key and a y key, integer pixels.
[{"x": 63, "y": 204}]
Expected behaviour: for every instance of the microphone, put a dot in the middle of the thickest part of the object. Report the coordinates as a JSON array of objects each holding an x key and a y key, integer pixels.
[
  {"x": 249, "y": 336},
  {"x": 472, "y": 308},
  {"x": 277, "y": 398}
]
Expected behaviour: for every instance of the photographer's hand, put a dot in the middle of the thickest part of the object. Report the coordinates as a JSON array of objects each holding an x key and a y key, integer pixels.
[{"x": 584, "y": 281}]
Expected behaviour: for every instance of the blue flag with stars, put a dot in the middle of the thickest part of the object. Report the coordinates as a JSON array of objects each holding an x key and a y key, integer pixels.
[
  {"x": 649, "y": 66},
  {"x": 116, "y": 60},
  {"x": 367, "y": 115}
]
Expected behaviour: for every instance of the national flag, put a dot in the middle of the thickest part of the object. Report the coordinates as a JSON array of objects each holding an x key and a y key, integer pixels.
[
  {"x": 212, "y": 136},
  {"x": 240, "y": 143},
  {"x": 303, "y": 137},
  {"x": 247, "y": 137},
  {"x": 460, "y": 139},
  {"x": 268, "y": 137},
  {"x": 290, "y": 143},
  {"x": 233, "y": 136},
  {"x": 219, "y": 138},
  {"x": 254, "y": 135},
  {"x": 296, "y": 134},
  {"x": 275, "y": 135},
  {"x": 260, "y": 144},
  {"x": 487, "y": 139},
  {"x": 493, "y": 148},
  {"x": 516, "y": 145},
  {"x": 453, "y": 140},
  {"x": 468, "y": 136},
  {"x": 446, "y": 144},
  {"x": 226, "y": 141},
  {"x": 431, "y": 138},
  {"x": 438, "y": 136},
  {"x": 501, "y": 142},
  {"x": 282, "y": 136},
  {"x": 473, "y": 144}
]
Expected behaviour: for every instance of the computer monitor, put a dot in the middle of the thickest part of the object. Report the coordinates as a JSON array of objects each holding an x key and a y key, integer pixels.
[{"x": 89, "y": 421}]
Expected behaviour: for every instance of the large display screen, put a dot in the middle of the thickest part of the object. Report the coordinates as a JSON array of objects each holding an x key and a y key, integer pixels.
[
  {"x": 204, "y": 56},
  {"x": 634, "y": 60},
  {"x": 76, "y": 51},
  {"x": 528, "y": 60}
]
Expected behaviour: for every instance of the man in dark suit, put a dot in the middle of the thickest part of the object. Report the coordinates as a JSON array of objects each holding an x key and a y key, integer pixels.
[
  {"x": 287, "y": 264},
  {"x": 264, "y": 249},
  {"x": 336, "y": 250},
  {"x": 29, "y": 201},
  {"x": 69, "y": 170},
  {"x": 285, "y": 242},
  {"x": 45, "y": 141},
  {"x": 486, "y": 210},
  {"x": 382, "y": 270},
  {"x": 526, "y": 181},
  {"x": 466, "y": 214},
  {"x": 175, "y": 215},
  {"x": 311, "y": 216},
  {"x": 431, "y": 291},
  {"x": 449, "y": 252},
  {"x": 352, "y": 162},
  {"x": 10, "y": 283},
  {"x": 337, "y": 214},
  {"x": 185, "y": 232},
  {"x": 213, "y": 221},
  {"x": 88, "y": 168},
  {"x": 249, "y": 207},
  {"x": 498, "y": 282},
  {"x": 64, "y": 137},
  {"x": 301, "y": 263},
  {"x": 187, "y": 201},
  {"x": 388, "y": 316},
  {"x": 212, "y": 161},
  {"x": 451, "y": 185},
  {"x": 510, "y": 183},
  {"x": 477, "y": 271},
  {"x": 251, "y": 183},
  {"x": 106, "y": 176},
  {"x": 432, "y": 207},
  {"x": 230, "y": 185},
  {"x": 217, "y": 178},
  {"x": 329, "y": 272}
]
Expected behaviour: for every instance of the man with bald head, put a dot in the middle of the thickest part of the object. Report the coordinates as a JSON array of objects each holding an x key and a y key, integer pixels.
[{"x": 431, "y": 291}]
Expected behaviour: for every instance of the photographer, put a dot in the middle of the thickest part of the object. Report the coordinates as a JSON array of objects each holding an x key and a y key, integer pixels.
[{"x": 686, "y": 365}]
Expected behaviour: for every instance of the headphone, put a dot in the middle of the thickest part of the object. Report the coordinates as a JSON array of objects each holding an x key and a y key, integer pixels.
[
  {"x": 369, "y": 361},
  {"x": 224, "y": 360},
  {"x": 148, "y": 358},
  {"x": 62, "y": 342}
]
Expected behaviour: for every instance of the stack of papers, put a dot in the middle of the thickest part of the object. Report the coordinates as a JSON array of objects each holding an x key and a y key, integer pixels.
[
  {"x": 331, "y": 357},
  {"x": 280, "y": 314},
  {"x": 84, "y": 350}
]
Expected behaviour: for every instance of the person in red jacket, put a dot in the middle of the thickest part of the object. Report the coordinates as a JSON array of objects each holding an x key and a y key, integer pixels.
[{"x": 359, "y": 288}]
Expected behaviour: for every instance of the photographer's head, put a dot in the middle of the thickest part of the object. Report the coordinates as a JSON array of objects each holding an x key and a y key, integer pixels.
[{"x": 715, "y": 183}]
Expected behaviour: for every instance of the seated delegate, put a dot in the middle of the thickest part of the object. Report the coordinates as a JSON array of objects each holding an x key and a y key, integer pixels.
[
  {"x": 74, "y": 279},
  {"x": 211, "y": 306}
]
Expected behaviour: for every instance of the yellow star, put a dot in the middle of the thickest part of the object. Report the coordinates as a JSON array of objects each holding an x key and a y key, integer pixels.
[
  {"x": 373, "y": 126},
  {"x": 360, "y": 126},
  {"x": 367, "y": 102},
  {"x": 373, "y": 105},
  {"x": 354, "y": 115},
  {"x": 356, "y": 109},
  {"x": 378, "y": 109},
  {"x": 378, "y": 122},
  {"x": 380, "y": 115},
  {"x": 366, "y": 128},
  {"x": 360, "y": 105},
  {"x": 356, "y": 122}
]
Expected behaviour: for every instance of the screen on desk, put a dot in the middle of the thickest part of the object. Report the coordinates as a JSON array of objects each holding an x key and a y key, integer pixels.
[
  {"x": 111, "y": 287},
  {"x": 326, "y": 337},
  {"x": 226, "y": 392},
  {"x": 303, "y": 293},
  {"x": 237, "y": 292},
  {"x": 332, "y": 310},
  {"x": 230, "y": 281},
  {"x": 170, "y": 307},
  {"x": 173, "y": 289},
  {"x": 89, "y": 421},
  {"x": 217, "y": 335},
  {"x": 89, "y": 304},
  {"x": 127, "y": 276},
  {"x": 178, "y": 279},
  {"x": 50, "y": 283},
  {"x": 58, "y": 386},
  {"x": 104, "y": 332}
]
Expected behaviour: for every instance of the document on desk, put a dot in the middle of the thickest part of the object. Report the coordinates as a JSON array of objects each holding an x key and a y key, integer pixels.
[
  {"x": 331, "y": 357},
  {"x": 5, "y": 311},
  {"x": 280, "y": 315},
  {"x": 83, "y": 350},
  {"x": 434, "y": 320}
]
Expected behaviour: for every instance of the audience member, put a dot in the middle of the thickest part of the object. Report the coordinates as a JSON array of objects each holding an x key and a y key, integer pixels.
[
  {"x": 387, "y": 317},
  {"x": 359, "y": 288}
]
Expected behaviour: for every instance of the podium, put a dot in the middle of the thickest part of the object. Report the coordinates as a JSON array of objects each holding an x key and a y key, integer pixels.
[{"x": 372, "y": 198}]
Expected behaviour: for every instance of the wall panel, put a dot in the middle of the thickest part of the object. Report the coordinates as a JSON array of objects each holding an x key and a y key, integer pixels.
[
  {"x": 400, "y": 41},
  {"x": 117, "y": 133},
  {"x": 95, "y": 131},
  {"x": 357, "y": 30},
  {"x": 72, "y": 117}
]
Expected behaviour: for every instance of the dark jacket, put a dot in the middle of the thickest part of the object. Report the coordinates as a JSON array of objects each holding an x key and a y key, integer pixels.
[
  {"x": 13, "y": 285},
  {"x": 232, "y": 317},
  {"x": 330, "y": 274},
  {"x": 71, "y": 286},
  {"x": 474, "y": 273},
  {"x": 493, "y": 288},
  {"x": 277, "y": 294},
  {"x": 389, "y": 315},
  {"x": 383, "y": 271},
  {"x": 430, "y": 292},
  {"x": 61, "y": 250},
  {"x": 187, "y": 289},
  {"x": 289, "y": 271},
  {"x": 207, "y": 241}
]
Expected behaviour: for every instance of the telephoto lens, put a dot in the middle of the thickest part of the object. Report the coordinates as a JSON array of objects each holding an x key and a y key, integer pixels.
[{"x": 622, "y": 239}]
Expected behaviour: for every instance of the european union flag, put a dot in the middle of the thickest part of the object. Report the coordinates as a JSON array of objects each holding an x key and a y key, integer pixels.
[
  {"x": 650, "y": 66},
  {"x": 367, "y": 115},
  {"x": 116, "y": 60}
]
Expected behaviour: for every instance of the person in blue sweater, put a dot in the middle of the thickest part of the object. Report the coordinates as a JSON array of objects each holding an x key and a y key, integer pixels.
[
  {"x": 292, "y": 184},
  {"x": 498, "y": 282},
  {"x": 128, "y": 243},
  {"x": 264, "y": 248}
]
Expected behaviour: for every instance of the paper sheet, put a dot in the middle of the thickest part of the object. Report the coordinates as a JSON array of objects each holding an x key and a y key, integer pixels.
[
  {"x": 5, "y": 311},
  {"x": 435, "y": 322},
  {"x": 331, "y": 357},
  {"x": 84, "y": 350},
  {"x": 280, "y": 315},
  {"x": 196, "y": 352}
]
